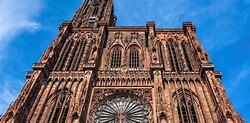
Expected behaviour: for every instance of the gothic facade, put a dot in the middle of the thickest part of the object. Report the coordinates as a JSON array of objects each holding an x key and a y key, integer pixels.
[{"x": 96, "y": 72}]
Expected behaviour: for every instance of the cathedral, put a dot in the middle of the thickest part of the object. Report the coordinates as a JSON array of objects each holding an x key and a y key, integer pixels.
[{"x": 97, "y": 72}]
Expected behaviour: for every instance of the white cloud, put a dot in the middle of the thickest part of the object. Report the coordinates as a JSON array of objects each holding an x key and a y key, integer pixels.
[
  {"x": 243, "y": 74},
  {"x": 17, "y": 16},
  {"x": 9, "y": 89},
  {"x": 239, "y": 80},
  {"x": 6, "y": 98},
  {"x": 216, "y": 21}
]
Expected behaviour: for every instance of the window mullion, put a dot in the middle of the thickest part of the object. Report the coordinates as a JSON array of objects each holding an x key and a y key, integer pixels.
[
  {"x": 184, "y": 113},
  {"x": 112, "y": 60},
  {"x": 172, "y": 67},
  {"x": 192, "y": 111},
  {"x": 119, "y": 59},
  {"x": 62, "y": 109},
  {"x": 115, "y": 57},
  {"x": 187, "y": 106},
  {"x": 137, "y": 59},
  {"x": 51, "y": 111},
  {"x": 53, "y": 114},
  {"x": 130, "y": 61},
  {"x": 133, "y": 59}
]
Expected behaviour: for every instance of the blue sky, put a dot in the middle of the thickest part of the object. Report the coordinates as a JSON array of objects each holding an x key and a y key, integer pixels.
[{"x": 28, "y": 26}]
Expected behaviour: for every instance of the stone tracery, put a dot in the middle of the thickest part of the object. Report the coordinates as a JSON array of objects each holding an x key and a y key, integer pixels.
[{"x": 126, "y": 105}]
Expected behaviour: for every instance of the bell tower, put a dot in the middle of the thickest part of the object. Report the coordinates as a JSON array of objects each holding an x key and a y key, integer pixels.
[
  {"x": 97, "y": 72},
  {"x": 94, "y": 11}
]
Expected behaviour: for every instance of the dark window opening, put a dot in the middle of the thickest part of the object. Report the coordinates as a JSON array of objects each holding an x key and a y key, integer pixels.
[
  {"x": 65, "y": 56},
  {"x": 171, "y": 60},
  {"x": 186, "y": 111},
  {"x": 91, "y": 24},
  {"x": 95, "y": 11},
  {"x": 59, "y": 110},
  {"x": 134, "y": 58},
  {"x": 116, "y": 59},
  {"x": 91, "y": 21},
  {"x": 184, "y": 47}
]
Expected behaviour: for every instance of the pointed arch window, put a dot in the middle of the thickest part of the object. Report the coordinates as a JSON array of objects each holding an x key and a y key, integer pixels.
[
  {"x": 91, "y": 21},
  {"x": 95, "y": 11},
  {"x": 59, "y": 109},
  {"x": 163, "y": 118},
  {"x": 116, "y": 58},
  {"x": 185, "y": 51},
  {"x": 171, "y": 62},
  {"x": 134, "y": 58},
  {"x": 172, "y": 54},
  {"x": 186, "y": 111}
]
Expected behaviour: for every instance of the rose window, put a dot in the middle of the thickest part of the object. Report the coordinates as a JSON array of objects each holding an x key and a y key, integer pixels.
[{"x": 121, "y": 110}]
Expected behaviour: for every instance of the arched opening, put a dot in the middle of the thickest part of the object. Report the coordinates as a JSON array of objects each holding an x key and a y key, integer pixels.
[
  {"x": 122, "y": 108},
  {"x": 185, "y": 49},
  {"x": 172, "y": 55},
  {"x": 229, "y": 118},
  {"x": 75, "y": 118},
  {"x": 133, "y": 58},
  {"x": 187, "y": 110},
  {"x": 163, "y": 118},
  {"x": 59, "y": 109},
  {"x": 116, "y": 58}
]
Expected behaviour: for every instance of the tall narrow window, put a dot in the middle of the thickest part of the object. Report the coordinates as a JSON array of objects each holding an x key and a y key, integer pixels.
[
  {"x": 59, "y": 110},
  {"x": 91, "y": 21},
  {"x": 95, "y": 11},
  {"x": 72, "y": 55},
  {"x": 116, "y": 58},
  {"x": 134, "y": 58},
  {"x": 65, "y": 55},
  {"x": 64, "y": 112},
  {"x": 170, "y": 58},
  {"x": 175, "y": 58},
  {"x": 193, "y": 114},
  {"x": 186, "y": 111},
  {"x": 184, "y": 47},
  {"x": 173, "y": 55}
]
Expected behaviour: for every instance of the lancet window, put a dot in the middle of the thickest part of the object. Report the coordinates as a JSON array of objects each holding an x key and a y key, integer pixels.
[
  {"x": 71, "y": 55},
  {"x": 95, "y": 11},
  {"x": 172, "y": 56},
  {"x": 116, "y": 58},
  {"x": 65, "y": 54},
  {"x": 134, "y": 58},
  {"x": 91, "y": 21},
  {"x": 59, "y": 109},
  {"x": 186, "y": 110},
  {"x": 80, "y": 54},
  {"x": 185, "y": 50}
]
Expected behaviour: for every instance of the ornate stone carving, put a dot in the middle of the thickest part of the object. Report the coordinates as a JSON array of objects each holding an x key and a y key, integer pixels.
[{"x": 145, "y": 95}]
